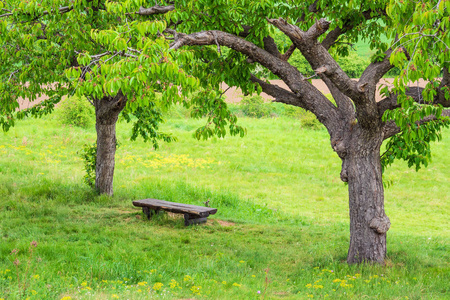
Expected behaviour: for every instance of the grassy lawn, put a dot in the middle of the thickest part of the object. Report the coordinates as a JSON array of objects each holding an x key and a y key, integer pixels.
[{"x": 281, "y": 230}]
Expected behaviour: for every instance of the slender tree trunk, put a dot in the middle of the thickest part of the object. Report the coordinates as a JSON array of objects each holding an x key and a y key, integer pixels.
[
  {"x": 368, "y": 221},
  {"x": 107, "y": 112},
  {"x": 106, "y": 151}
]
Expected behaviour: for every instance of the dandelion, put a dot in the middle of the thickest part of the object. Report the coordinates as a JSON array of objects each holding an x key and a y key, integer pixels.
[
  {"x": 36, "y": 276},
  {"x": 253, "y": 276},
  {"x": 309, "y": 285},
  {"x": 224, "y": 282},
  {"x": 157, "y": 286},
  {"x": 236, "y": 284},
  {"x": 63, "y": 298},
  {"x": 142, "y": 283}
]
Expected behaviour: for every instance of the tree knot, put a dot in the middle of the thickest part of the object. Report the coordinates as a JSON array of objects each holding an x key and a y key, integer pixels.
[{"x": 380, "y": 224}]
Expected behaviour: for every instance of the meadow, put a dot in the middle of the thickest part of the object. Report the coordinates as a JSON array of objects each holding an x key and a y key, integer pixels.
[{"x": 281, "y": 230}]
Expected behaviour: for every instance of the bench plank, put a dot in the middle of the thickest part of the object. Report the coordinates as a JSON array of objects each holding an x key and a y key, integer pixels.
[{"x": 174, "y": 207}]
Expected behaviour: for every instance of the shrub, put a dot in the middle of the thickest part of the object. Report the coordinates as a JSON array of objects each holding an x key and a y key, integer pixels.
[
  {"x": 353, "y": 64},
  {"x": 76, "y": 111},
  {"x": 310, "y": 121},
  {"x": 254, "y": 106},
  {"x": 294, "y": 112},
  {"x": 89, "y": 155}
]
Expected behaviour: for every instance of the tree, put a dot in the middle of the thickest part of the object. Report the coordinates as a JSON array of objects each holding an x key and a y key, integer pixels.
[
  {"x": 232, "y": 42},
  {"x": 111, "y": 52},
  {"x": 417, "y": 41}
]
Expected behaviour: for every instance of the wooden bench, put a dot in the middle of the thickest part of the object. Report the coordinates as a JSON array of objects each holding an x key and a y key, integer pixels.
[{"x": 193, "y": 214}]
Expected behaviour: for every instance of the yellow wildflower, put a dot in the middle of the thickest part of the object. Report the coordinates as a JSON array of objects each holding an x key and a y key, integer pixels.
[
  {"x": 242, "y": 261},
  {"x": 142, "y": 283},
  {"x": 115, "y": 296},
  {"x": 84, "y": 283},
  {"x": 318, "y": 286},
  {"x": 33, "y": 292},
  {"x": 36, "y": 276},
  {"x": 337, "y": 280},
  {"x": 187, "y": 278},
  {"x": 157, "y": 286},
  {"x": 196, "y": 289},
  {"x": 253, "y": 276},
  {"x": 63, "y": 298},
  {"x": 236, "y": 284},
  {"x": 309, "y": 285},
  {"x": 173, "y": 284},
  {"x": 224, "y": 282}
]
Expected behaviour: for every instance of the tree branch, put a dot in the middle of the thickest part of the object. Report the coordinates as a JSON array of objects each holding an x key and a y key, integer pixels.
[
  {"x": 374, "y": 72},
  {"x": 317, "y": 55},
  {"x": 445, "y": 83},
  {"x": 390, "y": 128},
  {"x": 288, "y": 53},
  {"x": 309, "y": 96},
  {"x": 390, "y": 102},
  {"x": 348, "y": 24},
  {"x": 271, "y": 47},
  {"x": 61, "y": 10},
  {"x": 281, "y": 95},
  {"x": 154, "y": 10}
]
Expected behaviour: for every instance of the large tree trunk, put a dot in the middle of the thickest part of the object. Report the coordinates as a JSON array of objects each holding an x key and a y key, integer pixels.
[
  {"x": 107, "y": 112},
  {"x": 368, "y": 221}
]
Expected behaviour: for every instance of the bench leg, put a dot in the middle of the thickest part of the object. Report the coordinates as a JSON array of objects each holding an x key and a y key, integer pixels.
[
  {"x": 149, "y": 212},
  {"x": 192, "y": 219}
]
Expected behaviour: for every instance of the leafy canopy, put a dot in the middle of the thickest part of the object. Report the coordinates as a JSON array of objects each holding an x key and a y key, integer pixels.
[{"x": 98, "y": 49}]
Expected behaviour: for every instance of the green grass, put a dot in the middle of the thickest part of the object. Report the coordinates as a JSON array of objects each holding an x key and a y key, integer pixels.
[{"x": 281, "y": 227}]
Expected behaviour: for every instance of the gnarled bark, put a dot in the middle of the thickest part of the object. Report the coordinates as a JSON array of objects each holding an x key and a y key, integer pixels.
[{"x": 368, "y": 222}]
